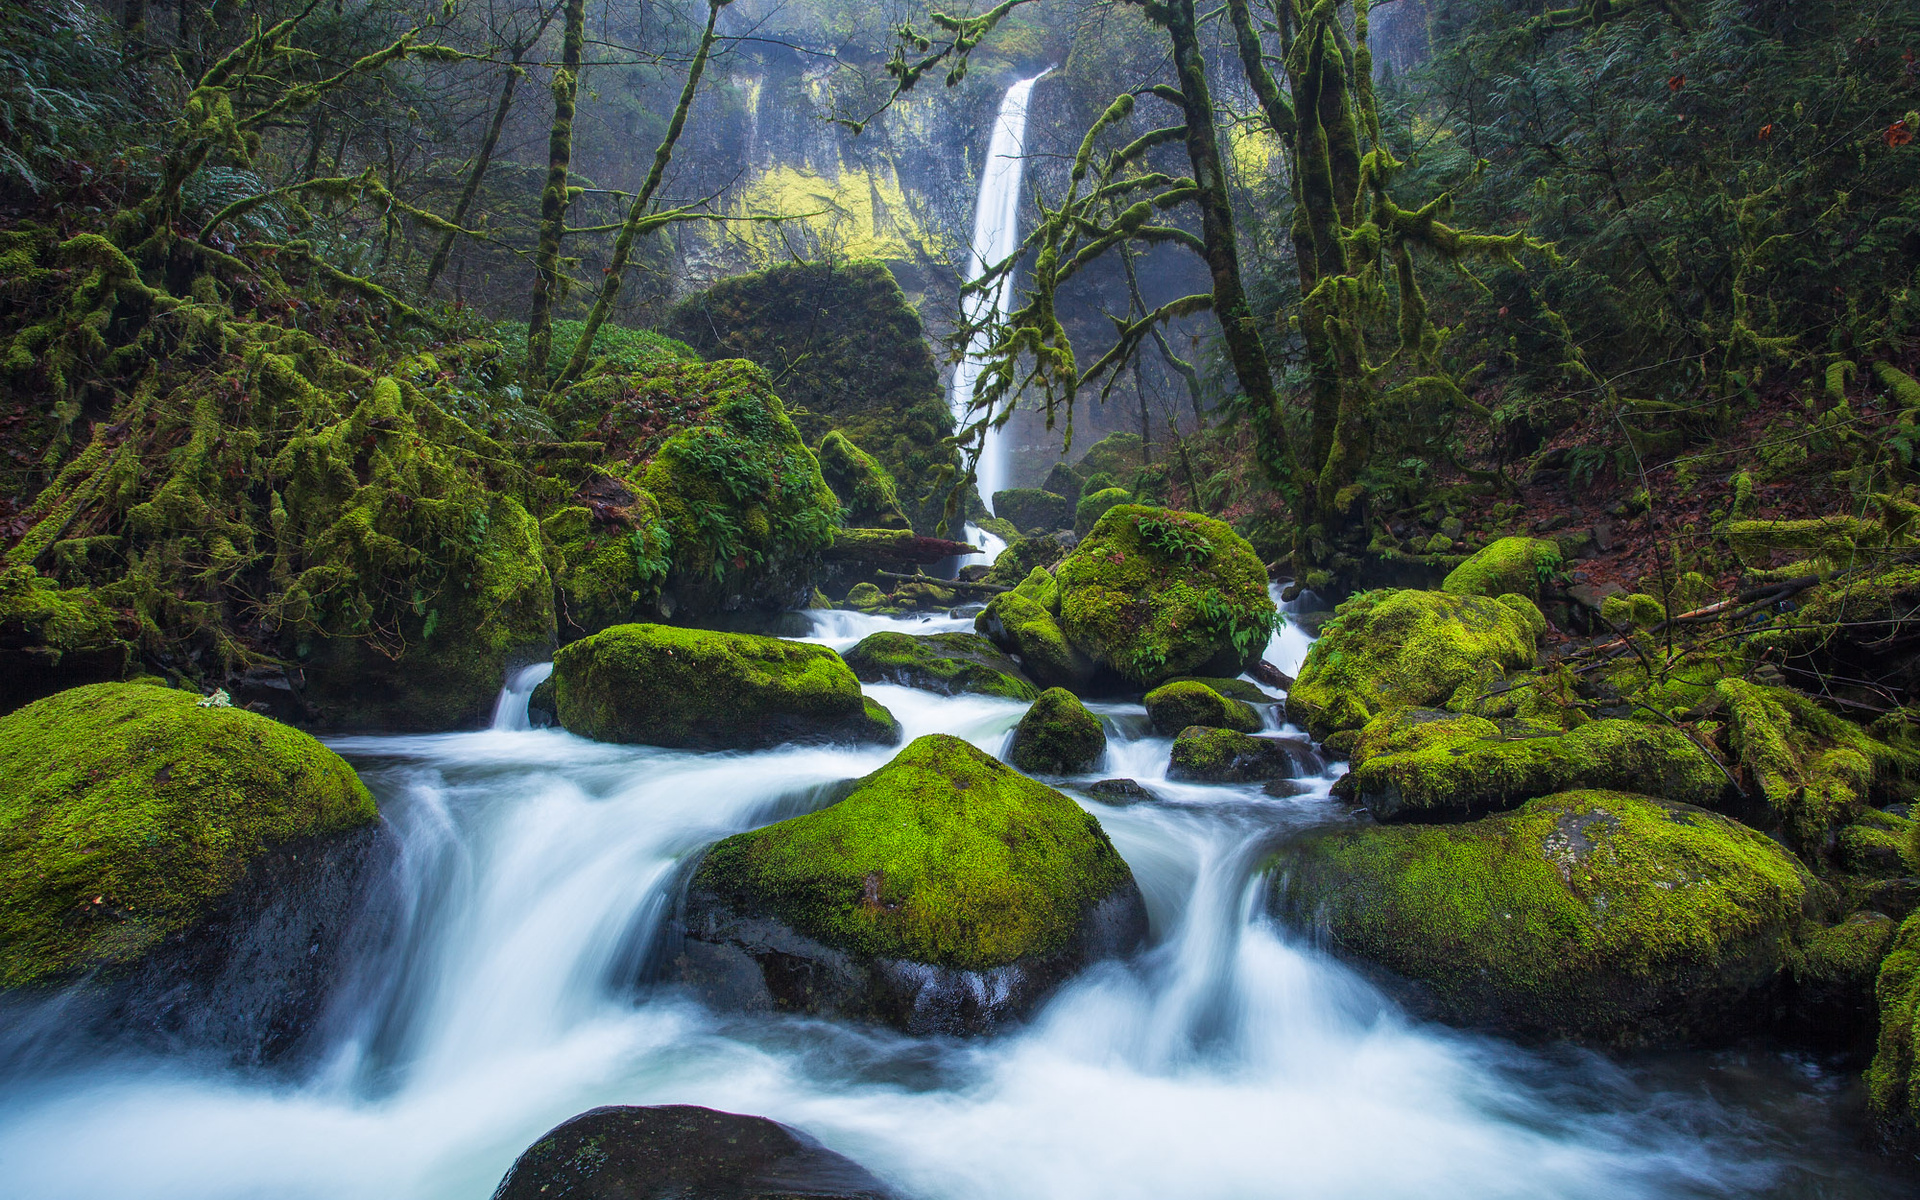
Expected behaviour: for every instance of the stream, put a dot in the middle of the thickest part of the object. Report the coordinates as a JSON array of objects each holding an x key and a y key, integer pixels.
[{"x": 1229, "y": 1058}]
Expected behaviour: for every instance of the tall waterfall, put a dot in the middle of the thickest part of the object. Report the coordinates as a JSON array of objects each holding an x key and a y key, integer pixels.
[{"x": 996, "y": 233}]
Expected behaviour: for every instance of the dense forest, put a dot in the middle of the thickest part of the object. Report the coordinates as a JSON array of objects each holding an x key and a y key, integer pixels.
[{"x": 920, "y": 572}]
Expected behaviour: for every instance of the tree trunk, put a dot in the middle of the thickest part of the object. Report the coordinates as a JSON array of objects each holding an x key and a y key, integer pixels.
[
  {"x": 485, "y": 156},
  {"x": 553, "y": 199}
]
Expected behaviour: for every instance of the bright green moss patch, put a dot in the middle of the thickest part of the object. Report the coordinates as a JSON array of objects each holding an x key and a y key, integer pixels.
[
  {"x": 1595, "y": 915},
  {"x": 608, "y": 569},
  {"x": 863, "y": 486},
  {"x": 127, "y": 811},
  {"x": 1458, "y": 766},
  {"x": 664, "y": 686},
  {"x": 1174, "y": 706},
  {"x": 1019, "y": 559},
  {"x": 1088, "y": 510},
  {"x": 944, "y": 856},
  {"x": 947, "y": 663},
  {"x": 50, "y": 634},
  {"x": 1812, "y": 768},
  {"x": 865, "y": 597},
  {"x": 1023, "y": 626},
  {"x": 1511, "y": 564},
  {"x": 1226, "y": 756},
  {"x": 1152, "y": 594},
  {"x": 1058, "y": 736},
  {"x": 1391, "y": 648}
]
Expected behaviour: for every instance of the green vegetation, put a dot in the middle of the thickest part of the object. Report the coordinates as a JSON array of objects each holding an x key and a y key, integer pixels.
[
  {"x": 1512, "y": 564},
  {"x": 1094, "y": 505},
  {"x": 1058, "y": 736},
  {"x": 127, "y": 811},
  {"x": 947, "y": 663},
  {"x": 865, "y": 489},
  {"x": 1227, "y": 756},
  {"x": 1174, "y": 706},
  {"x": 1024, "y": 623},
  {"x": 943, "y": 856},
  {"x": 1032, "y": 511},
  {"x": 663, "y": 686},
  {"x": 1893, "y": 1079}
]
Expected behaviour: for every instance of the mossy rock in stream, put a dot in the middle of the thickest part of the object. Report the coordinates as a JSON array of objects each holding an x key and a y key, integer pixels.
[
  {"x": 1018, "y": 560},
  {"x": 1519, "y": 565},
  {"x": 1024, "y": 623},
  {"x": 1422, "y": 764},
  {"x": 1404, "y": 648},
  {"x": 1203, "y": 755},
  {"x": 1058, "y": 736},
  {"x": 1174, "y": 706},
  {"x": 1151, "y": 594},
  {"x": 660, "y": 685},
  {"x": 619, "y": 1152},
  {"x": 947, "y": 663},
  {"x": 129, "y": 811},
  {"x": 1599, "y": 916},
  {"x": 946, "y": 893}
]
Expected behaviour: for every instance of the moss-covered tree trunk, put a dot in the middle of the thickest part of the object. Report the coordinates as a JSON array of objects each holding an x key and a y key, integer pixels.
[
  {"x": 481, "y": 160},
  {"x": 547, "y": 281}
]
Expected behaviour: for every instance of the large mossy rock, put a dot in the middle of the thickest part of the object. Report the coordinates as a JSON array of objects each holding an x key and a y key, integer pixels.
[
  {"x": 947, "y": 892},
  {"x": 1423, "y": 764},
  {"x": 659, "y": 685},
  {"x": 1600, "y": 916},
  {"x": 850, "y": 355},
  {"x": 1094, "y": 505},
  {"x": 1058, "y": 736},
  {"x": 1017, "y": 561},
  {"x": 947, "y": 663},
  {"x": 1032, "y": 511},
  {"x": 1519, "y": 565},
  {"x": 866, "y": 491},
  {"x": 1203, "y": 755},
  {"x": 1118, "y": 456},
  {"x": 128, "y": 812},
  {"x": 674, "y": 1150},
  {"x": 1812, "y": 769},
  {"x": 1404, "y": 648},
  {"x": 1025, "y": 623},
  {"x": 1174, "y": 706},
  {"x": 1151, "y": 594}
]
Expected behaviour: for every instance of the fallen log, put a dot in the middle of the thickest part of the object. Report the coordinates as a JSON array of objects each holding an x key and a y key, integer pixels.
[
  {"x": 958, "y": 584},
  {"x": 892, "y": 545}
]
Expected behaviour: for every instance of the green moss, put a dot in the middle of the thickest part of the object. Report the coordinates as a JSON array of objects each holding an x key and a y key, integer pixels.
[
  {"x": 865, "y": 597},
  {"x": 943, "y": 856},
  {"x": 1032, "y": 511},
  {"x": 665, "y": 686},
  {"x": 1226, "y": 756},
  {"x": 1893, "y": 1078},
  {"x": 1232, "y": 689},
  {"x": 1511, "y": 564},
  {"x": 1635, "y": 611},
  {"x": 52, "y": 637},
  {"x": 1094, "y": 505},
  {"x": 863, "y": 486},
  {"x": 617, "y": 348},
  {"x": 1040, "y": 587},
  {"x": 1879, "y": 844},
  {"x": 1386, "y": 649},
  {"x": 609, "y": 570},
  {"x": 1018, "y": 560},
  {"x": 1118, "y": 455},
  {"x": 1152, "y": 594},
  {"x": 1174, "y": 706},
  {"x": 1023, "y": 627},
  {"x": 127, "y": 811},
  {"x": 1842, "y": 960},
  {"x": 947, "y": 663},
  {"x": 851, "y": 356},
  {"x": 1595, "y": 915},
  {"x": 1812, "y": 768},
  {"x": 1058, "y": 736},
  {"x": 1421, "y": 765}
]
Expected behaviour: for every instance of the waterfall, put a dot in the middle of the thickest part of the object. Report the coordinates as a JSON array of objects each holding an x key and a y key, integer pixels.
[
  {"x": 996, "y": 233},
  {"x": 510, "y": 710}
]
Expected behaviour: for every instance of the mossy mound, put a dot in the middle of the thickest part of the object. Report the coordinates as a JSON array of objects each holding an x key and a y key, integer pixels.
[
  {"x": 127, "y": 811},
  {"x": 1088, "y": 510},
  {"x": 1205, "y": 755},
  {"x": 851, "y": 356},
  {"x": 1893, "y": 1078},
  {"x": 1032, "y": 511},
  {"x": 1024, "y": 623},
  {"x": 865, "y": 489},
  {"x": 1152, "y": 594},
  {"x": 1058, "y": 736},
  {"x": 1119, "y": 456},
  {"x": 659, "y": 685},
  {"x": 53, "y": 638},
  {"x": 1812, "y": 769},
  {"x": 1232, "y": 689},
  {"x": 947, "y": 663},
  {"x": 1019, "y": 559},
  {"x": 1510, "y": 564},
  {"x": 1174, "y": 706},
  {"x": 1420, "y": 764},
  {"x": 608, "y": 568},
  {"x": 946, "y": 891},
  {"x": 865, "y": 597},
  {"x": 1394, "y": 648},
  {"x": 1600, "y": 916}
]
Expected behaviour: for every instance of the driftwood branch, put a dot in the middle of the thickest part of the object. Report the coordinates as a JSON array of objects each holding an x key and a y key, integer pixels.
[{"x": 892, "y": 545}]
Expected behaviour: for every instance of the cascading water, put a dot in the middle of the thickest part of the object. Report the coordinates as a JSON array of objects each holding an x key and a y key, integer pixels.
[
  {"x": 1229, "y": 1059},
  {"x": 996, "y": 234}
]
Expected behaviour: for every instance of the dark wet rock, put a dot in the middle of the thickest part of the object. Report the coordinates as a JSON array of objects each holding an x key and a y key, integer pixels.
[
  {"x": 681, "y": 1150},
  {"x": 1120, "y": 792},
  {"x": 947, "y": 663}
]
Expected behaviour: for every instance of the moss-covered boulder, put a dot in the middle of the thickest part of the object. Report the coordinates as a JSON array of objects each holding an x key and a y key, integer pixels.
[
  {"x": 1600, "y": 916},
  {"x": 1018, "y": 560},
  {"x": 1233, "y": 689},
  {"x": 947, "y": 892},
  {"x": 619, "y": 1152},
  {"x": 1151, "y": 594},
  {"x": 1404, "y": 648},
  {"x": 1812, "y": 769},
  {"x": 1510, "y": 564},
  {"x": 850, "y": 354},
  {"x": 1118, "y": 456},
  {"x": 1833, "y": 971},
  {"x": 659, "y": 685},
  {"x": 1893, "y": 1078},
  {"x": 608, "y": 559},
  {"x": 1204, "y": 755},
  {"x": 865, "y": 490},
  {"x": 866, "y": 598},
  {"x": 128, "y": 812},
  {"x": 1174, "y": 706},
  {"x": 1025, "y": 624},
  {"x": 1423, "y": 764},
  {"x": 1088, "y": 510},
  {"x": 947, "y": 663},
  {"x": 1032, "y": 511},
  {"x": 53, "y": 638},
  {"x": 1058, "y": 736}
]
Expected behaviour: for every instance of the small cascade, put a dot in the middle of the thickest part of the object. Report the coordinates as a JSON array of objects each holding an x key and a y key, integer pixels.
[
  {"x": 996, "y": 234},
  {"x": 510, "y": 710}
]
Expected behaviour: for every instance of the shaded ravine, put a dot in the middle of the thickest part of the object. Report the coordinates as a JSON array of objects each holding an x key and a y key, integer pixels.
[{"x": 1228, "y": 1059}]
